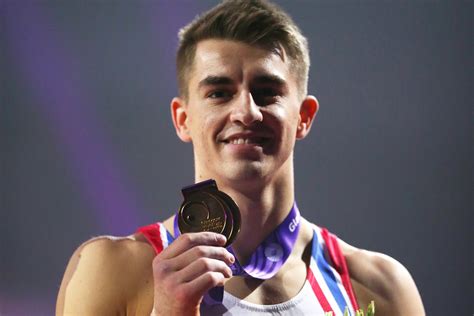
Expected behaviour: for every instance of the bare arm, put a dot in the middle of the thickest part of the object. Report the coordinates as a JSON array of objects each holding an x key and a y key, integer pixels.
[
  {"x": 103, "y": 276},
  {"x": 402, "y": 296},
  {"x": 378, "y": 277},
  {"x": 118, "y": 277}
]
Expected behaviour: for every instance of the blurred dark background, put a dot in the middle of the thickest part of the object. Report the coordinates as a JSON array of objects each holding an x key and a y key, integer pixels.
[{"x": 88, "y": 148}]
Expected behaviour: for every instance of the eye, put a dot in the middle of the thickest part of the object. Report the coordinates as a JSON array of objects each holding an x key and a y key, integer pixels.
[
  {"x": 219, "y": 94},
  {"x": 268, "y": 92},
  {"x": 265, "y": 95}
]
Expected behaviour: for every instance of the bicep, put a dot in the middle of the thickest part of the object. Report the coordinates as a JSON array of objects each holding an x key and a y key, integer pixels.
[
  {"x": 70, "y": 269},
  {"x": 405, "y": 298},
  {"x": 89, "y": 286},
  {"x": 394, "y": 287},
  {"x": 378, "y": 277}
]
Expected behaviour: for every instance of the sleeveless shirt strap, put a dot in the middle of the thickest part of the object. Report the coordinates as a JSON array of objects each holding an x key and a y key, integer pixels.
[
  {"x": 153, "y": 234},
  {"x": 339, "y": 263}
]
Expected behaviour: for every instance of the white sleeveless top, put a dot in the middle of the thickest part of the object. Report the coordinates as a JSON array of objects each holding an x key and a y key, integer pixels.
[{"x": 301, "y": 304}]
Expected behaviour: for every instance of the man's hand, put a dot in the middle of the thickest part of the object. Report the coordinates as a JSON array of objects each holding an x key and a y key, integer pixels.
[{"x": 186, "y": 270}]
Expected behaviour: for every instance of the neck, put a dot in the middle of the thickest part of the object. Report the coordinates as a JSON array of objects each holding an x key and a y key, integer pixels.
[
  {"x": 260, "y": 216},
  {"x": 263, "y": 206}
]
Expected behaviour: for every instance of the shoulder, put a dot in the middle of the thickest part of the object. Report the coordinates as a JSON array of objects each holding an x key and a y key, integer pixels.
[
  {"x": 104, "y": 274},
  {"x": 376, "y": 276}
]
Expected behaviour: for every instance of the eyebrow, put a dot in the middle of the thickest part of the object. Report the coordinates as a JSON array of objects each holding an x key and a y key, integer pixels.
[
  {"x": 270, "y": 79},
  {"x": 215, "y": 80},
  {"x": 259, "y": 79}
]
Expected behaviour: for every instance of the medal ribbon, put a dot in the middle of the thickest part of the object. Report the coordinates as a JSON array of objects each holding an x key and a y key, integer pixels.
[
  {"x": 267, "y": 259},
  {"x": 271, "y": 253}
]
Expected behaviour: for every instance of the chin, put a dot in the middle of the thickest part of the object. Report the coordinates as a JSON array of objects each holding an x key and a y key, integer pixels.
[{"x": 243, "y": 172}]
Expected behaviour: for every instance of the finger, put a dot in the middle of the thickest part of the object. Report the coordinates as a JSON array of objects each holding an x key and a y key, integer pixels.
[
  {"x": 187, "y": 241},
  {"x": 197, "y": 252},
  {"x": 202, "y": 266},
  {"x": 198, "y": 287}
]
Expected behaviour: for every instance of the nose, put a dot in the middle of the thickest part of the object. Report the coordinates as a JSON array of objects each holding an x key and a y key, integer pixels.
[{"x": 245, "y": 110}]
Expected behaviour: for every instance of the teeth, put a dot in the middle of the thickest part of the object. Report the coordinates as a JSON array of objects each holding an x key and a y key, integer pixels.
[{"x": 241, "y": 141}]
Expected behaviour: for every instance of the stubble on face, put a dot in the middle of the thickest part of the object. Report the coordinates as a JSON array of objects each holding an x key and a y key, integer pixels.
[{"x": 230, "y": 80}]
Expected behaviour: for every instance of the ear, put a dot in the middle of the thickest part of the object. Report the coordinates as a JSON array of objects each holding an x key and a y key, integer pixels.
[
  {"x": 180, "y": 119},
  {"x": 308, "y": 109}
]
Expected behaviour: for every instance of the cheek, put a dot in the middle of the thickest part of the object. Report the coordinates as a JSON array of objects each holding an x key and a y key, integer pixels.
[
  {"x": 284, "y": 121},
  {"x": 209, "y": 124},
  {"x": 280, "y": 113}
]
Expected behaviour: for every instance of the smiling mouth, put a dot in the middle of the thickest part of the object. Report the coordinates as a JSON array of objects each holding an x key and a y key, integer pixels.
[
  {"x": 254, "y": 141},
  {"x": 247, "y": 140}
]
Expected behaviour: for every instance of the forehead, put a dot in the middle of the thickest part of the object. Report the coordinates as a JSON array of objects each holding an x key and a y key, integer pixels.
[{"x": 237, "y": 60}]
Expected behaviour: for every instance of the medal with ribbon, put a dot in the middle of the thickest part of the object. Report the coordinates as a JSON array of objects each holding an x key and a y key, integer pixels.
[{"x": 205, "y": 208}]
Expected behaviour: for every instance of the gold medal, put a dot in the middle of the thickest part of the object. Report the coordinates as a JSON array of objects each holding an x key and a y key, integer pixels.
[{"x": 205, "y": 208}]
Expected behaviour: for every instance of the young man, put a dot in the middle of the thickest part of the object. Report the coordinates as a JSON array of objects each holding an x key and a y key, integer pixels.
[{"x": 242, "y": 71}]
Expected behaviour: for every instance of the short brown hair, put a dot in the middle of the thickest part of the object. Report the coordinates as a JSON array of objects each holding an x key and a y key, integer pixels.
[{"x": 254, "y": 22}]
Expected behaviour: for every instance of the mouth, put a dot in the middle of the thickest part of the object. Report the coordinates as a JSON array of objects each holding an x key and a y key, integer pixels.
[{"x": 247, "y": 140}]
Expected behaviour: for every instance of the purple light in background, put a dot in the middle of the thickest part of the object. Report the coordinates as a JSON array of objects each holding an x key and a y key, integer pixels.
[
  {"x": 167, "y": 19},
  {"x": 26, "y": 305},
  {"x": 49, "y": 70}
]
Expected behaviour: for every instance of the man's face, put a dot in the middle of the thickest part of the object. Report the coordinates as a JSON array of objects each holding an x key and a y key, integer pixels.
[{"x": 242, "y": 113}]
